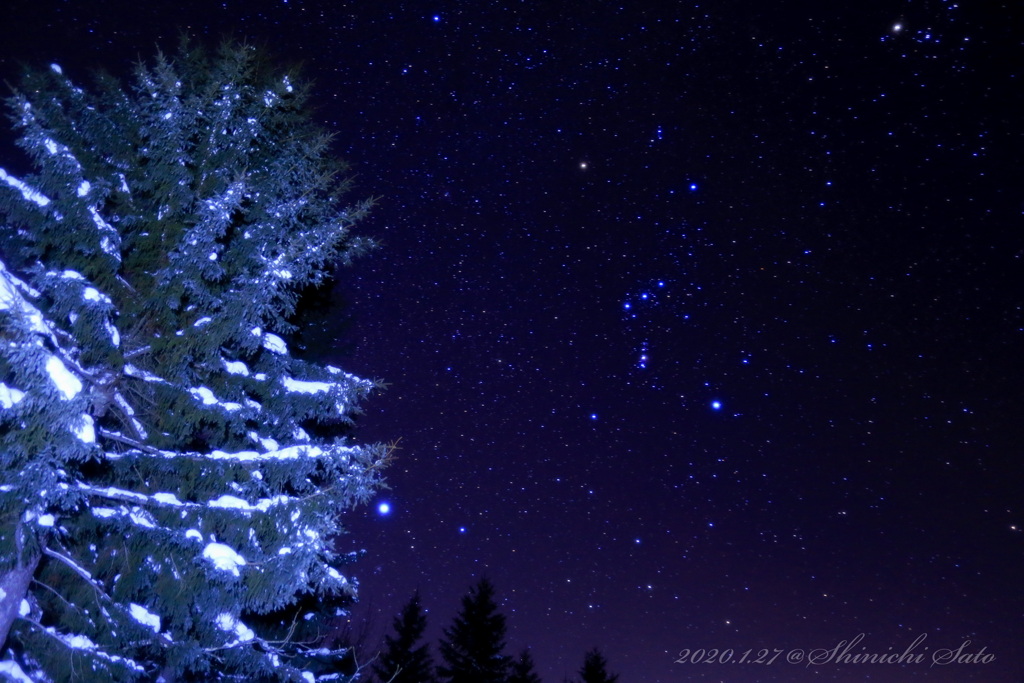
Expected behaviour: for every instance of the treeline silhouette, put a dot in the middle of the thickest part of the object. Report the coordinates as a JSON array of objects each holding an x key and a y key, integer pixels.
[{"x": 472, "y": 649}]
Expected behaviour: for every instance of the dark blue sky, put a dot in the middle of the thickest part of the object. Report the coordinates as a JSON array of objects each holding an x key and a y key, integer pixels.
[{"x": 597, "y": 220}]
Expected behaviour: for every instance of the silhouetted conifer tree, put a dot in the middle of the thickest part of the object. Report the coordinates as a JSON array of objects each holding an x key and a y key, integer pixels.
[
  {"x": 595, "y": 669},
  {"x": 522, "y": 670},
  {"x": 402, "y": 661},
  {"x": 473, "y": 646}
]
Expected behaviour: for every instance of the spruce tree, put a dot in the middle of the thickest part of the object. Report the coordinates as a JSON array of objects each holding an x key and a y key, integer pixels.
[
  {"x": 402, "y": 661},
  {"x": 170, "y": 474},
  {"x": 473, "y": 645},
  {"x": 595, "y": 669},
  {"x": 523, "y": 670}
]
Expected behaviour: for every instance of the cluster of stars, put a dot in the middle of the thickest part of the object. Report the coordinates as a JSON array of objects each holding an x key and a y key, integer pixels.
[{"x": 633, "y": 308}]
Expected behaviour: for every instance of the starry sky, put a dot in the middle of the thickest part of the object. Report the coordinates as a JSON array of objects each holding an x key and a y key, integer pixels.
[{"x": 702, "y": 320}]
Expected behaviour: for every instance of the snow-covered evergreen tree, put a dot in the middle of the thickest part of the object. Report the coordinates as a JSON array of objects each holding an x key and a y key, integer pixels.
[
  {"x": 170, "y": 488},
  {"x": 473, "y": 646},
  {"x": 405, "y": 659}
]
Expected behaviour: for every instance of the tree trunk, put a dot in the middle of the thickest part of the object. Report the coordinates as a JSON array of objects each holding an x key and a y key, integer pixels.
[{"x": 13, "y": 589}]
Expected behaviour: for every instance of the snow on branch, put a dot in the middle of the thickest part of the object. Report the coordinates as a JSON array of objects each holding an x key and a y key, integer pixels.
[
  {"x": 224, "y": 502},
  {"x": 27, "y": 192}
]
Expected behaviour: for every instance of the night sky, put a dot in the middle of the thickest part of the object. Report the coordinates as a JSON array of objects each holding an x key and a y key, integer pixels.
[{"x": 702, "y": 322}]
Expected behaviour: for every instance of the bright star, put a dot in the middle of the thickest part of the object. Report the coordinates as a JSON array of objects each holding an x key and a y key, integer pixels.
[
  {"x": 384, "y": 508},
  {"x": 716, "y": 405}
]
